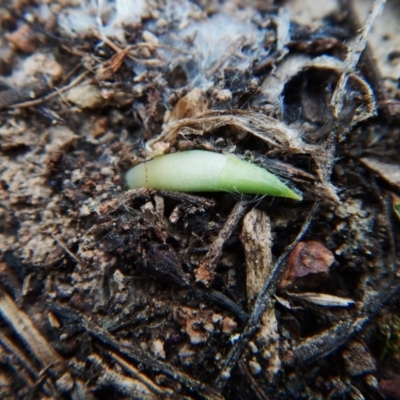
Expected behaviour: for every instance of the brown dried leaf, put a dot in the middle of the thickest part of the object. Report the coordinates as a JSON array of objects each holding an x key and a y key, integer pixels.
[
  {"x": 162, "y": 261},
  {"x": 111, "y": 67},
  {"x": 193, "y": 104},
  {"x": 23, "y": 39},
  {"x": 85, "y": 96},
  {"x": 307, "y": 258},
  {"x": 389, "y": 172}
]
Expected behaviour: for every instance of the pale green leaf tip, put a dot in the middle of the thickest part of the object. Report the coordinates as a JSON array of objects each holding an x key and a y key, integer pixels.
[
  {"x": 295, "y": 196},
  {"x": 199, "y": 170}
]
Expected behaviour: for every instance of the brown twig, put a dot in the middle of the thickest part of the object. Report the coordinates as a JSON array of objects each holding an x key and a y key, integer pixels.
[
  {"x": 219, "y": 298},
  {"x": 140, "y": 376},
  {"x": 27, "y": 332},
  {"x": 258, "y": 391},
  {"x": 15, "y": 95},
  {"x": 64, "y": 246},
  {"x": 117, "y": 49},
  {"x": 260, "y": 306},
  {"x": 353, "y": 56},
  {"x": 41, "y": 100},
  {"x": 330, "y": 340},
  {"x": 206, "y": 270}
]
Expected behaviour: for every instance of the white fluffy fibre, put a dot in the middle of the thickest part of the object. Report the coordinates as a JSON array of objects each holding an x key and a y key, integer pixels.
[
  {"x": 218, "y": 36},
  {"x": 129, "y": 11},
  {"x": 109, "y": 17},
  {"x": 214, "y": 40},
  {"x": 77, "y": 21},
  {"x": 229, "y": 38}
]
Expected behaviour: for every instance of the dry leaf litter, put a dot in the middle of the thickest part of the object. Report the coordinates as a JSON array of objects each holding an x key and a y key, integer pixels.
[{"x": 142, "y": 294}]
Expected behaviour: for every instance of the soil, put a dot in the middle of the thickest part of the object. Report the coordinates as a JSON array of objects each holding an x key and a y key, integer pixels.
[{"x": 107, "y": 292}]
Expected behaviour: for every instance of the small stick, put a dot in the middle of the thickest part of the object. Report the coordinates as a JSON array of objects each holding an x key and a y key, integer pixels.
[
  {"x": 353, "y": 56},
  {"x": 41, "y": 100},
  {"x": 188, "y": 198},
  {"x": 136, "y": 354},
  {"x": 258, "y": 391},
  {"x": 64, "y": 246},
  {"x": 260, "y": 306},
  {"x": 139, "y": 375},
  {"x": 206, "y": 271}
]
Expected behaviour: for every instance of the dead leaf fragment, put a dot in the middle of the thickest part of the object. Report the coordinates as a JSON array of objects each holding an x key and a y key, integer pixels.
[
  {"x": 358, "y": 360},
  {"x": 307, "y": 258},
  {"x": 111, "y": 67},
  {"x": 60, "y": 137},
  {"x": 99, "y": 126},
  {"x": 189, "y": 106},
  {"x": 39, "y": 67},
  {"x": 163, "y": 262},
  {"x": 23, "y": 39},
  {"x": 388, "y": 172},
  {"x": 65, "y": 383},
  {"x": 86, "y": 96},
  {"x": 222, "y": 96},
  {"x": 322, "y": 299}
]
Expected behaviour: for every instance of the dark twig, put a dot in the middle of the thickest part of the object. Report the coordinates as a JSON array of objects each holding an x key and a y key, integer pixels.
[
  {"x": 222, "y": 300},
  {"x": 20, "y": 94},
  {"x": 136, "y": 354},
  {"x": 206, "y": 270},
  {"x": 64, "y": 246},
  {"x": 260, "y": 306},
  {"x": 259, "y": 392},
  {"x": 370, "y": 67},
  {"x": 188, "y": 198},
  {"x": 353, "y": 56},
  {"x": 16, "y": 358},
  {"x": 330, "y": 340},
  {"x": 321, "y": 345}
]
